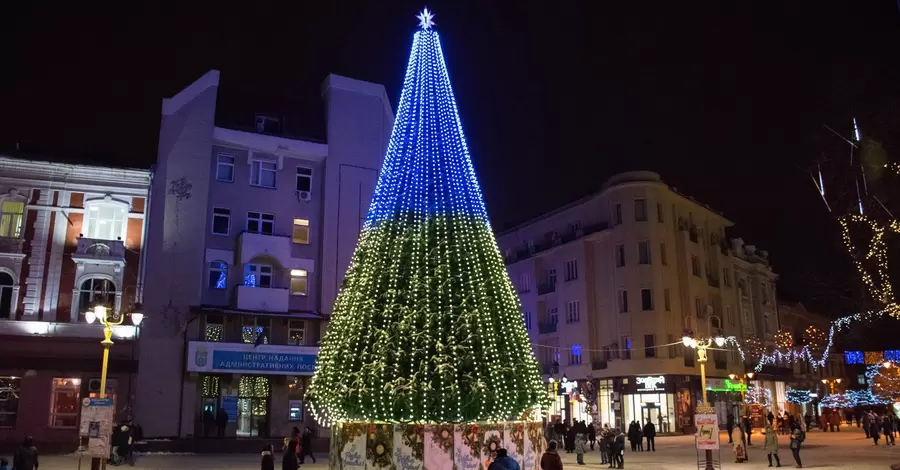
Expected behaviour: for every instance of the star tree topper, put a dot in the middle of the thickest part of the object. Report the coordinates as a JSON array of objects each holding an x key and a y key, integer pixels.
[{"x": 425, "y": 19}]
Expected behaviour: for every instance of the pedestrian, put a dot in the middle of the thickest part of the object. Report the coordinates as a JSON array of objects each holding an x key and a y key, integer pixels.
[
  {"x": 748, "y": 429},
  {"x": 26, "y": 457},
  {"x": 771, "y": 446},
  {"x": 290, "y": 458},
  {"x": 740, "y": 447},
  {"x": 603, "y": 445},
  {"x": 221, "y": 422},
  {"x": 560, "y": 430},
  {"x": 780, "y": 421},
  {"x": 797, "y": 438},
  {"x": 268, "y": 460},
  {"x": 580, "y": 448},
  {"x": 729, "y": 425},
  {"x": 633, "y": 436},
  {"x": 550, "y": 460},
  {"x": 808, "y": 419},
  {"x": 874, "y": 426},
  {"x": 619, "y": 449},
  {"x": 865, "y": 424},
  {"x": 650, "y": 435},
  {"x": 209, "y": 421},
  {"x": 835, "y": 420},
  {"x": 550, "y": 433},
  {"x": 771, "y": 418},
  {"x": 570, "y": 439},
  {"x": 306, "y": 445},
  {"x": 4, "y": 464},
  {"x": 887, "y": 425},
  {"x": 503, "y": 462},
  {"x": 857, "y": 416},
  {"x": 592, "y": 435}
]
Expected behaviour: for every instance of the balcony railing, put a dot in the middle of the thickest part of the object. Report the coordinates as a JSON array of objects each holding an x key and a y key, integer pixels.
[
  {"x": 543, "y": 245},
  {"x": 99, "y": 250},
  {"x": 266, "y": 299},
  {"x": 63, "y": 330},
  {"x": 546, "y": 288},
  {"x": 12, "y": 245},
  {"x": 546, "y": 328}
]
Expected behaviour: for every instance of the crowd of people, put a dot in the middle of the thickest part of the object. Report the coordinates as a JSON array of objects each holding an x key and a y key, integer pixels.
[{"x": 581, "y": 438}]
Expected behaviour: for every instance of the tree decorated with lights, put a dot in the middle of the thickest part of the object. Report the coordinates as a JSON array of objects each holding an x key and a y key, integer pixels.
[{"x": 426, "y": 327}]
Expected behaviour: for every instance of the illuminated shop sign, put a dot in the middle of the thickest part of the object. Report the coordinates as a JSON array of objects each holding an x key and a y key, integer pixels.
[{"x": 652, "y": 383}]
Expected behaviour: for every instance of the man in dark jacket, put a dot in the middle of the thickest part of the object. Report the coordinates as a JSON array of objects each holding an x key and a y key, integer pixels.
[
  {"x": 503, "y": 462},
  {"x": 221, "y": 422},
  {"x": 748, "y": 429},
  {"x": 26, "y": 458},
  {"x": 209, "y": 420},
  {"x": 306, "y": 445},
  {"x": 729, "y": 425},
  {"x": 650, "y": 434}
]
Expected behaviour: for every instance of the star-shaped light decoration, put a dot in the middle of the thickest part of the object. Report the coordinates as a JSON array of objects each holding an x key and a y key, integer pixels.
[{"x": 425, "y": 19}]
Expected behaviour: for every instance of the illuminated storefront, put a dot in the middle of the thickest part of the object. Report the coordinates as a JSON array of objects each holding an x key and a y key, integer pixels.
[
  {"x": 649, "y": 398},
  {"x": 568, "y": 402}
]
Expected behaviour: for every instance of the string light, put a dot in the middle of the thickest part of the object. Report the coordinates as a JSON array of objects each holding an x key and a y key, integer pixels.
[
  {"x": 756, "y": 395},
  {"x": 784, "y": 339},
  {"x": 427, "y": 327},
  {"x": 797, "y": 396}
]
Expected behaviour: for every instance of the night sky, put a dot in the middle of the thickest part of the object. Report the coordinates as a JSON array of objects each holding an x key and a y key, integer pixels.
[{"x": 727, "y": 100}]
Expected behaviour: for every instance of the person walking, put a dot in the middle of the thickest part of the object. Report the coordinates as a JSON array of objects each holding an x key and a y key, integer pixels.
[
  {"x": 221, "y": 422},
  {"x": 550, "y": 434},
  {"x": 650, "y": 435},
  {"x": 551, "y": 460},
  {"x": 797, "y": 438},
  {"x": 26, "y": 457},
  {"x": 291, "y": 458},
  {"x": 209, "y": 421},
  {"x": 592, "y": 434},
  {"x": 570, "y": 439},
  {"x": 580, "y": 448},
  {"x": 633, "y": 436},
  {"x": 771, "y": 418},
  {"x": 267, "y": 461},
  {"x": 619, "y": 449},
  {"x": 503, "y": 462},
  {"x": 729, "y": 425},
  {"x": 306, "y": 445},
  {"x": 887, "y": 425},
  {"x": 748, "y": 429},
  {"x": 771, "y": 445},
  {"x": 603, "y": 445},
  {"x": 865, "y": 424},
  {"x": 560, "y": 430},
  {"x": 874, "y": 427},
  {"x": 835, "y": 420}
]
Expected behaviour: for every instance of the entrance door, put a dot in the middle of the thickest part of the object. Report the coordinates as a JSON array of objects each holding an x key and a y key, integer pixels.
[
  {"x": 252, "y": 417},
  {"x": 649, "y": 412}
]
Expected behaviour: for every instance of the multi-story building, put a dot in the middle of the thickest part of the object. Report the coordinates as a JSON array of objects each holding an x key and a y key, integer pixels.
[
  {"x": 611, "y": 283},
  {"x": 251, "y": 231},
  {"x": 71, "y": 237}
]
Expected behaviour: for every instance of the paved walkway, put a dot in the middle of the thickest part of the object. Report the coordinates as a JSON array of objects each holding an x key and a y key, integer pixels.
[{"x": 847, "y": 449}]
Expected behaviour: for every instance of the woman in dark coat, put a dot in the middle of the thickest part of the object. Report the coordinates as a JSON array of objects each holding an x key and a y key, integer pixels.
[
  {"x": 592, "y": 434},
  {"x": 570, "y": 439}
]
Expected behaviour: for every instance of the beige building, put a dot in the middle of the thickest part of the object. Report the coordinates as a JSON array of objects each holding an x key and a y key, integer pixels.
[{"x": 609, "y": 285}]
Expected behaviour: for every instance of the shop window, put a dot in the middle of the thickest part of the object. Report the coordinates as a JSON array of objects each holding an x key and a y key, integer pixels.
[
  {"x": 296, "y": 332},
  {"x": 218, "y": 275},
  {"x": 258, "y": 275},
  {"x": 215, "y": 329},
  {"x": 259, "y": 222},
  {"x": 96, "y": 291},
  {"x": 9, "y": 401},
  {"x": 255, "y": 330},
  {"x": 12, "y": 214},
  {"x": 253, "y": 406},
  {"x": 65, "y": 403},
  {"x": 105, "y": 220},
  {"x": 225, "y": 168},
  {"x": 301, "y": 232},
  {"x": 299, "y": 281}
]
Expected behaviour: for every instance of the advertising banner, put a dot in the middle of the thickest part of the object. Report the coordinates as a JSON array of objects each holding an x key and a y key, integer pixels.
[
  {"x": 251, "y": 359},
  {"x": 707, "y": 426},
  {"x": 96, "y": 426}
]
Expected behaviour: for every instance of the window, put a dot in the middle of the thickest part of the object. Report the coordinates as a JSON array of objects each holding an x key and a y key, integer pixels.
[
  {"x": 299, "y": 281},
  {"x": 646, "y": 299},
  {"x": 699, "y": 308},
  {"x": 659, "y": 212},
  {"x": 667, "y": 301},
  {"x": 96, "y": 291},
  {"x": 554, "y": 316},
  {"x": 571, "y": 270},
  {"x": 688, "y": 357},
  {"x": 64, "y": 402},
  {"x": 551, "y": 278},
  {"x": 218, "y": 275},
  {"x": 726, "y": 277},
  {"x": 11, "y": 216},
  {"x": 304, "y": 179},
  {"x": 104, "y": 221},
  {"x": 623, "y": 301},
  {"x": 262, "y": 173},
  {"x": 620, "y": 256},
  {"x": 301, "y": 232},
  {"x": 640, "y": 210},
  {"x": 258, "y": 275},
  {"x": 221, "y": 223},
  {"x": 575, "y": 227},
  {"x": 649, "y": 346},
  {"x": 663, "y": 258},
  {"x": 524, "y": 282},
  {"x": 626, "y": 344},
  {"x": 211, "y": 385},
  {"x": 643, "y": 252},
  {"x": 526, "y": 317},
  {"x": 214, "y": 331},
  {"x": 254, "y": 330},
  {"x": 9, "y": 401},
  {"x": 573, "y": 312},
  {"x": 296, "y": 332},
  {"x": 695, "y": 266},
  {"x": 259, "y": 222},
  {"x": 225, "y": 168},
  {"x": 617, "y": 214},
  {"x": 575, "y": 355},
  {"x": 729, "y": 317}
]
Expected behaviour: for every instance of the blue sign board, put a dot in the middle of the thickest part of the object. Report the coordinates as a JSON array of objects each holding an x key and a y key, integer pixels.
[
  {"x": 101, "y": 402},
  {"x": 229, "y": 404},
  {"x": 263, "y": 361}
]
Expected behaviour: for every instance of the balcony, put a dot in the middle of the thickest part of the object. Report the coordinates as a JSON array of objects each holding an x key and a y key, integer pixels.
[
  {"x": 547, "y": 328},
  {"x": 263, "y": 299},
  {"x": 546, "y": 288},
  {"x": 252, "y": 245},
  {"x": 63, "y": 330},
  {"x": 98, "y": 251},
  {"x": 12, "y": 246}
]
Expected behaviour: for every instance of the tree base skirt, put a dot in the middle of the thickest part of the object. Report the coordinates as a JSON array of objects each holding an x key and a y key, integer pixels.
[{"x": 379, "y": 446}]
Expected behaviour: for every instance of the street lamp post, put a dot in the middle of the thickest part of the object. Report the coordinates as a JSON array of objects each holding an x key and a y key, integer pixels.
[
  {"x": 831, "y": 383},
  {"x": 749, "y": 377},
  {"x": 101, "y": 314},
  {"x": 701, "y": 345}
]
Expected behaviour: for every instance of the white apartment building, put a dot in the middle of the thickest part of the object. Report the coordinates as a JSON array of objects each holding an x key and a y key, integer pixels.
[{"x": 609, "y": 285}]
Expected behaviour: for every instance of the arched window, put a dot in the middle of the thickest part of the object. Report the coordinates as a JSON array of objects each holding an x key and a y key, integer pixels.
[
  {"x": 715, "y": 322},
  {"x": 6, "y": 295},
  {"x": 96, "y": 291},
  {"x": 105, "y": 219},
  {"x": 218, "y": 275}
]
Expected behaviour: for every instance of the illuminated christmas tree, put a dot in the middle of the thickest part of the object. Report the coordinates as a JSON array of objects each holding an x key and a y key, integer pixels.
[{"x": 427, "y": 327}]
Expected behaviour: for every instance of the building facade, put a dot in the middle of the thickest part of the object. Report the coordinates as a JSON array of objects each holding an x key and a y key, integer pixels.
[
  {"x": 610, "y": 284},
  {"x": 71, "y": 237},
  {"x": 251, "y": 233}
]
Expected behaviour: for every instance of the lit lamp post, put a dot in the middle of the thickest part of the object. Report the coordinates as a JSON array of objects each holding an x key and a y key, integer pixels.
[
  {"x": 748, "y": 376},
  {"x": 701, "y": 345},
  {"x": 831, "y": 382},
  {"x": 101, "y": 313}
]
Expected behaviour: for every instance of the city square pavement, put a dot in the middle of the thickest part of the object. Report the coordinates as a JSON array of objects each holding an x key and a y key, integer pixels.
[{"x": 846, "y": 449}]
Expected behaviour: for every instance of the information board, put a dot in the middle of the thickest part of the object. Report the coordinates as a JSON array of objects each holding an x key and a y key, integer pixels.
[
  {"x": 96, "y": 425},
  {"x": 707, "y": 425}
]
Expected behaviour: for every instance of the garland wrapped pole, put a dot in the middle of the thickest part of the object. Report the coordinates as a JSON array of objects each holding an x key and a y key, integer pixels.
[{"x": 426, "y": 357}]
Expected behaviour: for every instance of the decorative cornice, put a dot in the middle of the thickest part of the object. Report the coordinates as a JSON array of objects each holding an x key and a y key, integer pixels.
[{"x": 21, "y": 171}]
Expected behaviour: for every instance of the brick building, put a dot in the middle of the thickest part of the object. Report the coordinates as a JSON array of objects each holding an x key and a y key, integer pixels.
[{"x": 70, "y": 237}]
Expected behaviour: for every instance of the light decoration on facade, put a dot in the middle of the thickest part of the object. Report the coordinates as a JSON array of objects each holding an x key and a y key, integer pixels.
[
  {"x": 815, "y": 339},
  {"x": 757, "y": 395},
  {"x": 427, "y": 327},
  {"x": 784, "y": 340},
  {"x": 797, "y": 396}
]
